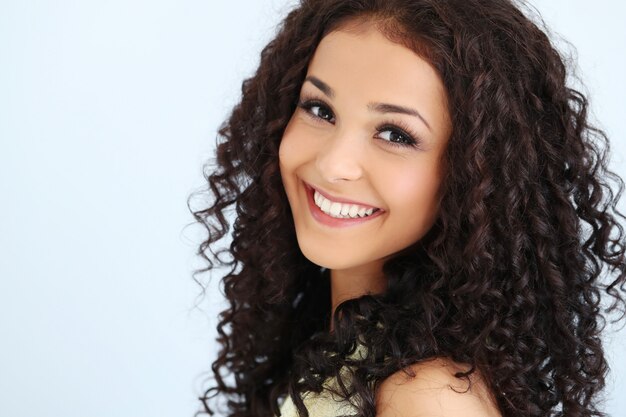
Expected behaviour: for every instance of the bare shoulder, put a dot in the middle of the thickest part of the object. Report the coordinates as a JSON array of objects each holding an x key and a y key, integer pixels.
[{"x": 435, "y": 392}]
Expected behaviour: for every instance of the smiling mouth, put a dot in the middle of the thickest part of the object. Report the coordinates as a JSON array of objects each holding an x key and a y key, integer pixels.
[
  {"x": 341, "y": 210},
  {"x": 336, "y": 213}
]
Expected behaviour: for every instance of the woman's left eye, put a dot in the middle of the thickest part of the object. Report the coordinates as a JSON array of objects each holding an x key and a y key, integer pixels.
[{"x": 396, "y": 136}]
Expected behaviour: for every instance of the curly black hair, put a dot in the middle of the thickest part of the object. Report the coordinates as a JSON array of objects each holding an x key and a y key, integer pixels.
[{"x": 517, "y": 276}]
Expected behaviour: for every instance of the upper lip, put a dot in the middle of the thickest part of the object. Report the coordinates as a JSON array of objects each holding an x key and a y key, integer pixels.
[{"x": 339, "y": 199}]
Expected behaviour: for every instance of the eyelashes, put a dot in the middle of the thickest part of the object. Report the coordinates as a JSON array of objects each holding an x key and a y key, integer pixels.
[{"x": 398, "y": 129}]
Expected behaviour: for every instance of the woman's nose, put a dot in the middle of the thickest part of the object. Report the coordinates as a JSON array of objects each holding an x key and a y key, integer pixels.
[{"x": 340, "y": 158}]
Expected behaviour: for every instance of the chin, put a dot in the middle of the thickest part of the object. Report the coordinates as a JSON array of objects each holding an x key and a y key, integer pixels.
[
  {"x": 326, "y": 259},
  {"x": 334, "y": 259}
]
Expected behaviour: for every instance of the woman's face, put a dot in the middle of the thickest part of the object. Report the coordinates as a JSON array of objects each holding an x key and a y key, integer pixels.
[{"x": 371, "y": 128}]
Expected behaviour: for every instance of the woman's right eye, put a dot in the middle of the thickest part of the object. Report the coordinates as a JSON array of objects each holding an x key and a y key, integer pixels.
[{"x": 316, "y": 109}]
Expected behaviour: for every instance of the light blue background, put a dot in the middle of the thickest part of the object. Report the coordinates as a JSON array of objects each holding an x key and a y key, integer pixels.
[{"x": 107, "y": 112}]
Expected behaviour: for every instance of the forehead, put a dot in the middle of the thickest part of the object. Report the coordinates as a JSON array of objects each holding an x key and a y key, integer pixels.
[
  {"x": 362, "y": 65},
  {"x": 367, "y": 52}
]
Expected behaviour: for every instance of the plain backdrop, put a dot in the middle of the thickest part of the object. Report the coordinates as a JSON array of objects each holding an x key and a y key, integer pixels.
[{"x": 107, "y": 112}]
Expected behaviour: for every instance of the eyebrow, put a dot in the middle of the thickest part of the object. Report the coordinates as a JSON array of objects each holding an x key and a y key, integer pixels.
[{"x": 378, "y": 107}]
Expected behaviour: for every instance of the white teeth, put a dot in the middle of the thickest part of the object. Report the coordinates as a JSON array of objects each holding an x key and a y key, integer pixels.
[
  {"x": 325, "y": 206},
  {"x": 340, "y": 210},
  {"x": 335, "y": 209},
  {"x": 316, "y": 197}
]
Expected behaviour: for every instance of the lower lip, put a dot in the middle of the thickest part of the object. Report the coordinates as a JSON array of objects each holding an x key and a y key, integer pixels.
[{"x": 327, "y": 220}]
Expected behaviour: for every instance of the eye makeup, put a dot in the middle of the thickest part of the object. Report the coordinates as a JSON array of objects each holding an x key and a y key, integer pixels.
[{"x": 404, "y": 135}]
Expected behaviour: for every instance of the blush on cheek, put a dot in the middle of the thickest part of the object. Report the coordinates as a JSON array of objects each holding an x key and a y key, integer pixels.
[
  {"x": 412, "y": 186},
  {"x": 418, "y": 192},
  {"x": 288, "y": 151}
]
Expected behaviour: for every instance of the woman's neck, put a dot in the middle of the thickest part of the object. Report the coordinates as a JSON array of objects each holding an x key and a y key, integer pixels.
[{"x": 355, "y": 282}]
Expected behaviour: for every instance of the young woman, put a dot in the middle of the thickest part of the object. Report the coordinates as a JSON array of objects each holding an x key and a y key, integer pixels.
[{"x": 424, "y": 220}]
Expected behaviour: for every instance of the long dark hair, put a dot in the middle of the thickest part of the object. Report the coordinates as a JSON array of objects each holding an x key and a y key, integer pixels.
[{"x": 525, "y": 259}]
